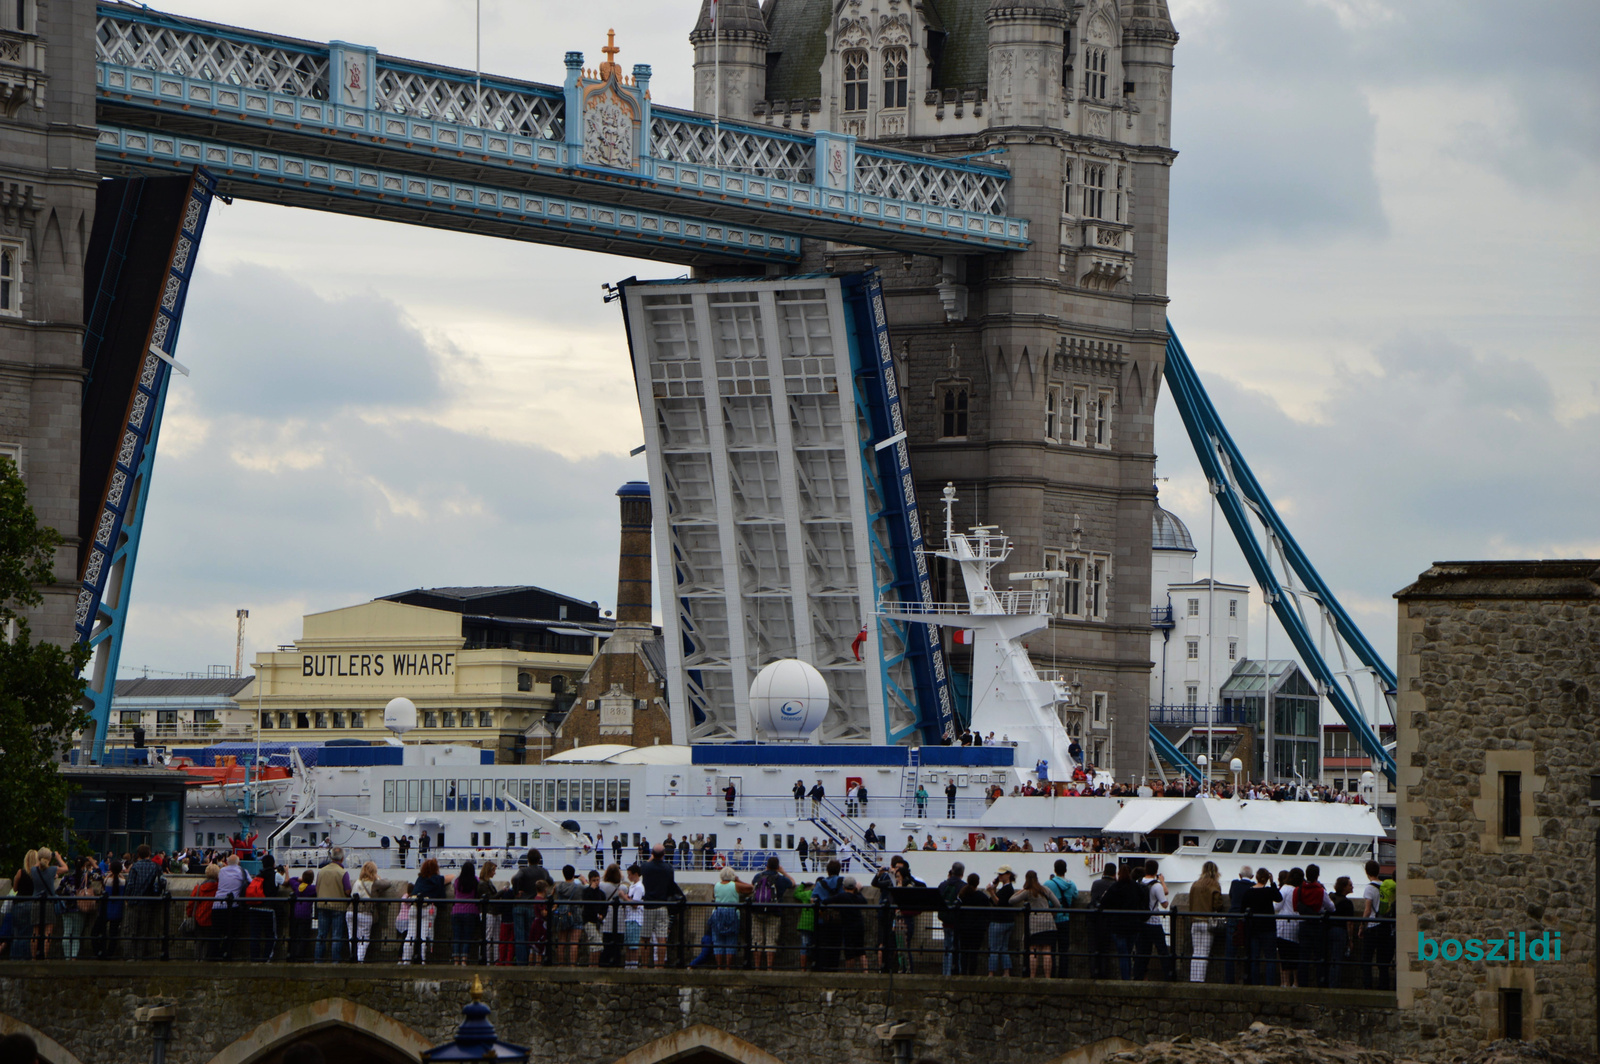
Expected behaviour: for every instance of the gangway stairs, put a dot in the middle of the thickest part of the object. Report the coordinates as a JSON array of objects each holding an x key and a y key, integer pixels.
[{"x": 839, "y": 829}]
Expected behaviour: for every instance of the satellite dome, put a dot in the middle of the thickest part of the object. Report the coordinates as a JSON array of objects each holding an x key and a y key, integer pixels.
[
  {"x": 788, "y": 699},
  {"x": 400, "y": 715}
]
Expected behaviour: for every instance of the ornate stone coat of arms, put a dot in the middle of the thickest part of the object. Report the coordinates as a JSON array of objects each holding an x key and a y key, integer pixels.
[{"x": 610, "y": 116}]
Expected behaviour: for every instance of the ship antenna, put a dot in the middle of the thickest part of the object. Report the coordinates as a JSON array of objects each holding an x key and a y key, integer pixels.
[{"x": 949, "y": 513}]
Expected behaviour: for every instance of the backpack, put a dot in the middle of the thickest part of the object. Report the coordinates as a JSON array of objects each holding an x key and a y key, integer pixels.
[
  {"x": 1386, "y": 898},
  {"x": 1066, "y": 895},
  {"x": 255, "y": 893},
  {"x": 1308, "y": 899},
  {"x": 765, "y": 893}
]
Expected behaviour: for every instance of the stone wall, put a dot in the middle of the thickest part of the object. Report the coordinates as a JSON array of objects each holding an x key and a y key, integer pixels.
[
  {"x": 1497, "y": 674},
  {"x": 235, "y": 1015}
]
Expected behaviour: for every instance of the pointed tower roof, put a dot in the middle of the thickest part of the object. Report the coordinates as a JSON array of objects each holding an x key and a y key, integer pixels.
[{"x": 737, "y": 18}]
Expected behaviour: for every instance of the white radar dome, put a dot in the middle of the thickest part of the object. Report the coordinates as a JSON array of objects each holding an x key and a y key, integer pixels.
[
  {"x": 789, "y": 698},
  {"x": 400, "y": 715}
]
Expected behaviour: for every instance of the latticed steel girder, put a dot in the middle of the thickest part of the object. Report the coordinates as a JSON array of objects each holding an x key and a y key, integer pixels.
[{"x": 343, "y": 104}]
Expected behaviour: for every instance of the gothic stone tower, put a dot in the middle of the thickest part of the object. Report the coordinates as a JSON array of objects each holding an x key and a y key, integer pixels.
[
  {"x": 47, "y": 187},
  {"x": 1032, "y": 376}
]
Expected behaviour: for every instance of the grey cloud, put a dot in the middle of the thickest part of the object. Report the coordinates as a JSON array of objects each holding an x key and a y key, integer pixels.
[
  {"x": 1443, "y": 452},
  {"x": 392, "y": 506},
  {"x": 1276, "y": 138},
  {"x": 263, "y": 344},
  {"x": 1538, "y": 59}
]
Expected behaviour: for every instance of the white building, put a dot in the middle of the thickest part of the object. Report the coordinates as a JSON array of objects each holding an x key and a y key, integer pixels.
[{"x": 1194, "y": 623}]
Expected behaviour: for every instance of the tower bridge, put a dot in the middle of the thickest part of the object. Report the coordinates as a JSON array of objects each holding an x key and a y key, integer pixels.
[
  {"x": 1017, "y": 176},
  {"x": 343, "y": 128}
]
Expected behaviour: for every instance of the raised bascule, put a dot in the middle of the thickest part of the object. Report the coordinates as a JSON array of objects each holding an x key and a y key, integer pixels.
[{"x": 982, "y": 186}]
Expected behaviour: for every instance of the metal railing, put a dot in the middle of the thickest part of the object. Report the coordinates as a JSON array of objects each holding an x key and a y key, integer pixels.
[
  {"x": 868, "y": 931},
  {"x": 1184, "y": 713}
]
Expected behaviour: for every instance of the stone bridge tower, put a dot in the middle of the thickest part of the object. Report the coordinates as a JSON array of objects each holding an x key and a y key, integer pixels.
[
  {"x": 47, "y": 188},
  {"x": 1032, "y": 376}
]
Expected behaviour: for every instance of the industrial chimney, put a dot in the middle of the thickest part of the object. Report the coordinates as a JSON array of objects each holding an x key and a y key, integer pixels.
[{"x": 633, "y": 557}]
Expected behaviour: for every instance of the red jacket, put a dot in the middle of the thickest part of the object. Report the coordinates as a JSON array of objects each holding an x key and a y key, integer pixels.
[{"x": 201, "y": 910}]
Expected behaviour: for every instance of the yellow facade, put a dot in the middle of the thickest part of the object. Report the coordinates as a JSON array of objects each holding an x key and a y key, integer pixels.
[{"x": 350, "y": 662}]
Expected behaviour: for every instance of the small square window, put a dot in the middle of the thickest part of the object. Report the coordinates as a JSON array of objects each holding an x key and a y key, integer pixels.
[
  {"x": 1194, "y": 650},
  {"x": 1194, "y": 607},
  {"x": 1233, "y": 607}
]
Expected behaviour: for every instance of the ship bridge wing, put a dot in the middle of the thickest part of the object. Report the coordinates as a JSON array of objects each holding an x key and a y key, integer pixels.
[{"x": 1139, "y": 816}]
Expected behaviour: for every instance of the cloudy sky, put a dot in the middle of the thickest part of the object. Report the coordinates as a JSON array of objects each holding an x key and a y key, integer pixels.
[{"x": 1383, "y": 230}]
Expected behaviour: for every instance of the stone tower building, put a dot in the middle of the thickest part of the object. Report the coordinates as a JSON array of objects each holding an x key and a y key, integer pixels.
[
  {"x": 47, "y": 188},
  {"x": 1499, "y": 749},
  {"x": 1032, "y": 376},
  {"x": 622, "y": 696}
]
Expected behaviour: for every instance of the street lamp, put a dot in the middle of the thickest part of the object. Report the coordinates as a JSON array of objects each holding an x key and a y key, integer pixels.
[{"x": 475, "y": 1038}]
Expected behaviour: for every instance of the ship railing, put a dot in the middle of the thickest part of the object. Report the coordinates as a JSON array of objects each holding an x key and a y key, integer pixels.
[
  {"x": 882, "y": 926},
  {"x": 992, "y": 604}
]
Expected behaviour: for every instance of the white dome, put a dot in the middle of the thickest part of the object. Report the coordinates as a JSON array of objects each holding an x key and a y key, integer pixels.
[
  {"x": 788, "y": 699},
  {"x": 400, "y": 715}
]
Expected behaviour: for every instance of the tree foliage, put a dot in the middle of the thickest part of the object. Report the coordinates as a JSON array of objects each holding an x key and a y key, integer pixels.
[{"x": 40, "y": 692}]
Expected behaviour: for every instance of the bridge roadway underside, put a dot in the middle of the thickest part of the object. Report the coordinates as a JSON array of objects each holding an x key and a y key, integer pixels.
[{"x": 237, "y": 1013}]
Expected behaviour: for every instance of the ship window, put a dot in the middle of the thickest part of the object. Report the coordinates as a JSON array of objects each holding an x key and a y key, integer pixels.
[
  {"x": 476, "y": 795},
  {"x": 622, "y": 796},
  {"x": 1328, "y": 848},
  {"x": 611, "y": 796},
  {"x": 588, "y": 796},
  {"x": 561, "y": 796},
  {"x": 427, "y": 795},
  {"x": 1291, "y": 847},
  {"x": 1249, "y": 845},
  {"x": 1272, "y": 846},
  {"x": 1189, "y": 840},
  {"x": 549, "y": 796},
  {"x": 388, "y": 796},
  {"x": 1223, "y": 845},
  {"x": 524, "y": 838},
  {"x": 763, "y": 842},
  {"x": 413, "y": 795},
  {"x": 438, "y": 795},
  {"x": 474, "y": 838}
]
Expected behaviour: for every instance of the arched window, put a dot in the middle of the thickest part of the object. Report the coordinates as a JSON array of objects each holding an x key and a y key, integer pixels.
[
  {"x": 558, "y": 685},
  {"x": 955, "y": 413},
  {"x": 894, "y": 77},
  {"x": 10, "y": 279},
  {"x": 855, "y": 80},
  {"x": 524, "y": 681},
  {"x": 1095, "y": 61}
]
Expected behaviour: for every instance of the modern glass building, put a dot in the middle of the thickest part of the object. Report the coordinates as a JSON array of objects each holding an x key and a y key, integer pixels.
[{"x": 1280, "y": 701}]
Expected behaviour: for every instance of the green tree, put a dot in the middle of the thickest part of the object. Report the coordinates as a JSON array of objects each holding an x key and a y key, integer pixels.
[{"x": 40, "y": 692}]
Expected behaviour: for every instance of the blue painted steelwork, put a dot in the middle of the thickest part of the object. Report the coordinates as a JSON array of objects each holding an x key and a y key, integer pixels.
[
  {"x": 338, "y": 101},
  {"x": 1173, "y": 756},
  {"x": 1239, "y": 494},
  {"x": 557, "y": 216},
  {"x": 874, "y": 368},
  {"x": 107, "y": 579}
]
